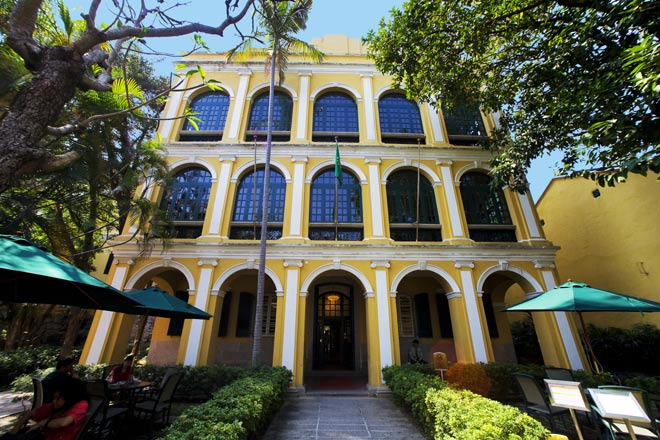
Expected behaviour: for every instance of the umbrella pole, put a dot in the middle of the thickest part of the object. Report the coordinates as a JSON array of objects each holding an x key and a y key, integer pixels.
[
  {"x": 592, "y": 357},
  {"x": 138, "y": 338}
]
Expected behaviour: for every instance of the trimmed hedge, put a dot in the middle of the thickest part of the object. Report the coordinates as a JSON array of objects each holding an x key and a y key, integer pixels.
[
  {"x": 239, "y": 411},
  {"x": 449, "y": 414}
]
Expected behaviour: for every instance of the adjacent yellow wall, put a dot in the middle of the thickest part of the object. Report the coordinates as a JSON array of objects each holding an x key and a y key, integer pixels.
[{"x": 611, "y": 242}]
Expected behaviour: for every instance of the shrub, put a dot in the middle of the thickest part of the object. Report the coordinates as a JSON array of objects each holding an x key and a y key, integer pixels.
[
  {"x": 468, "y": 416},
  {"x": 451, "y": 414},
  {"x": 25, "y": 360},
  {"x": 504, "y": 387},
  {"x": 650, "y": 384},
  {"x": 465, "y": 376},
  {"x": 198, "y": 383},
  {"x": 238, "y": 411}
]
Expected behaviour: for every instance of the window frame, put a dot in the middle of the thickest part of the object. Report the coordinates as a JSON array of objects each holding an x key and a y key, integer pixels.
[
  {"x": 395, "y": 109},
  {"x": 215, "y": 134},
  {"x": 280, "y": 133},
  {"x": 337, "y": 113}
]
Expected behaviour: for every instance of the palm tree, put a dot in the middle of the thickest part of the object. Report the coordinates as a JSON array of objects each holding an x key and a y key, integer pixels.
[{"x": 279, "y": 21}]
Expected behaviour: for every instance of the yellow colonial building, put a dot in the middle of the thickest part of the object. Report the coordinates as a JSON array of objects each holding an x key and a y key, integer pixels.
[
  {"x": 405, "y": 242},
  {"x": 609, "y": 238}
]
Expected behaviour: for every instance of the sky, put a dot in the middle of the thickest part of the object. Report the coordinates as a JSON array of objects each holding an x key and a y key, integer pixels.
[{"x": 353, "y": 18}]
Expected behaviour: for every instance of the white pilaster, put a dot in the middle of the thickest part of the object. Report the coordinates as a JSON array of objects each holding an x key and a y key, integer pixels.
[
  {"x": 290, "y": 313},
  {"x": 374, "y": 192},
  {"x": 167, "y": 124},
  {"x": 452, "y": 202},
  {"x": 101, "y": 334},
  {"x": 564, "y": 328},
  {"x": 221, "y": 195},
  {"x": 303, "y": 106},
  {"x": 368, "y": 94},
  {"x": 435, "y": 124},
  {"x": 383, "y": 307},
  {"x": 296, "y": 219},
  {"x": 201, "y": 298},
  {"x": 529, "y": 215},
  {"x": 474, "y": 320},
  {"x": 239, "y": 104}
]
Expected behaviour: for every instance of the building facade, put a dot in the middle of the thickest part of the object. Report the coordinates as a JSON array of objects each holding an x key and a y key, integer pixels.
[
  {"x": 609, "y": 238},
  {"x": 402, "y": 240}
]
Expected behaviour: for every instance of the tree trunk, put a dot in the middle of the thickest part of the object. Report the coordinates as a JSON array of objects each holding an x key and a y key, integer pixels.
[
  {"x": 261, "y": 276},
  {"x": 16, "y": 328},
  {"x": 34, "y": 109},
  {"x": 72, "y": 329}
]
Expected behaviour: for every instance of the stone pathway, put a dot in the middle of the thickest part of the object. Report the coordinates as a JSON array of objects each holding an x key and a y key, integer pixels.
[{"x": 341, "y": 417}]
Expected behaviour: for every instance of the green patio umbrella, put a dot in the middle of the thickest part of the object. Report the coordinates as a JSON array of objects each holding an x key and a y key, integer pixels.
[
  {"x": 154, "y": 301},
  {"x": 580, "y": 297},
  {"x": 31, "y": 274}
]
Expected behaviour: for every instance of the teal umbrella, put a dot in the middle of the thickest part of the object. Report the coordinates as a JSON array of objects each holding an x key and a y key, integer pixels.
[
  {"x": 154, "y": 301},
  {"x": 31, "y": 274},
  {"x": 580, "y": 297}
]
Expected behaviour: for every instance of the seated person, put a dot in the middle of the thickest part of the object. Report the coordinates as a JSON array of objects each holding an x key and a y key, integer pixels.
[
  {"x": 63, "y": 370},
  {"x": 59, "y": 420},
  {"x": 123, "y": 372},
  {"x": 415, "y": 354}
]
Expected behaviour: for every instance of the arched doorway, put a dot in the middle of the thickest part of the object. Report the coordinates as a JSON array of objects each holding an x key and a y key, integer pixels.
[
  {"x": 512, "y": 334},
  {"x": 335, "y": 345},
  {"x": 333, "y": 331}
]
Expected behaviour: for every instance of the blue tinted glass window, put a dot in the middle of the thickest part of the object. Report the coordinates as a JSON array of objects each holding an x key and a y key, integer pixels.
[
  {"x": 484, "y": 207},
  {"x": 335, "y": 112},
  {"x": 464, "y": 120},
  {"x": 249, "y": 197},
  {"x": 211, "y": 108},
  {"x": 399, "y": 115},
  {"x": 282, "y": 113},
  {"x": 402, "y": 198},
  {"x": 349, "y": 199},
  {"x": 186, "y": 198}
]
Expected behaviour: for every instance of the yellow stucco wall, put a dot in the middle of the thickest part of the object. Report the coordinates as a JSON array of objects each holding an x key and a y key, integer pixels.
[{"x": 611, "y": 241}]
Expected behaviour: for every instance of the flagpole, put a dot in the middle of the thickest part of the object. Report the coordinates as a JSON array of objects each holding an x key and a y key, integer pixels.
[
  {"x": 419, "y": 160},
  {"x": 337, "y": 188}
]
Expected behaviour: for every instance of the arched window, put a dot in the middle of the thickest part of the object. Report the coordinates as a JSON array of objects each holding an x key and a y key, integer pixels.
[
  {"x": 185, "y": 201},
  {"x": 402, "y": 204},
  {"x": 400, "y": 122},
  {"x": 282, "y": 116},
  {"x": 245, "y": 315},
  {"x": 210, "y": 116},
  {"x": 336, "y": 210},
  {"x": 246, "y": 221},
  {"x": 486, "y": 212},
  {"x": 465, "y": 126},
  {"x": 335, "y": 114}
]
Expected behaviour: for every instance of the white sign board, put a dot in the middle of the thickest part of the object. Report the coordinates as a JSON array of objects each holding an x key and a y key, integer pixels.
[
  {"x": 618, "y": 404},
  {"x": 566, "y": 394}
]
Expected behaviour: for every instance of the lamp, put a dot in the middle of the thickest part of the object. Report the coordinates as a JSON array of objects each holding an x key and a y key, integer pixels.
[{"x": 333, "y": 297}]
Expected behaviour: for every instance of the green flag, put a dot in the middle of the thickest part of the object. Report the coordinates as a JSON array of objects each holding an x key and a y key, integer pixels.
[{"x": 337, "y": 163}]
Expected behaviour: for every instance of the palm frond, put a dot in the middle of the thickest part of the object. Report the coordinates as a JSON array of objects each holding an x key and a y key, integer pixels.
[{"x": 126, "y": 92}]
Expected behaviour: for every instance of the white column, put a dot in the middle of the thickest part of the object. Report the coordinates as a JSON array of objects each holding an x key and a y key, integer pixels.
[
  {"x": 529, "y": 216},
  {"x": 374, "y": 193},
  {"x": 201, "y": 298},
  {"x": 572, "y": 350},
  {"x": 239, "y": 103},
  {"x": 296, "y": 218},
  {"x": 474, "y": 320},
  {"x": 435, "y": 124},
  {"x": 383, "y": 307},
  {"x": 370, "y": 117},
  {"x": 218, "y": 203},
  {"x": 303, "y": 106},
  {"x": 452, "y": 201},
  {"x": 167, "y": 124},
  {"x": 101, "y": 333},
  {"x": 290, "y": 313}
]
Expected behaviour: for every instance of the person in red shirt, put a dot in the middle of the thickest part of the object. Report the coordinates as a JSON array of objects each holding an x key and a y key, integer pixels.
[
  {"x": 59, "y": 420},
  {"x": 123, "y": 372}
]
